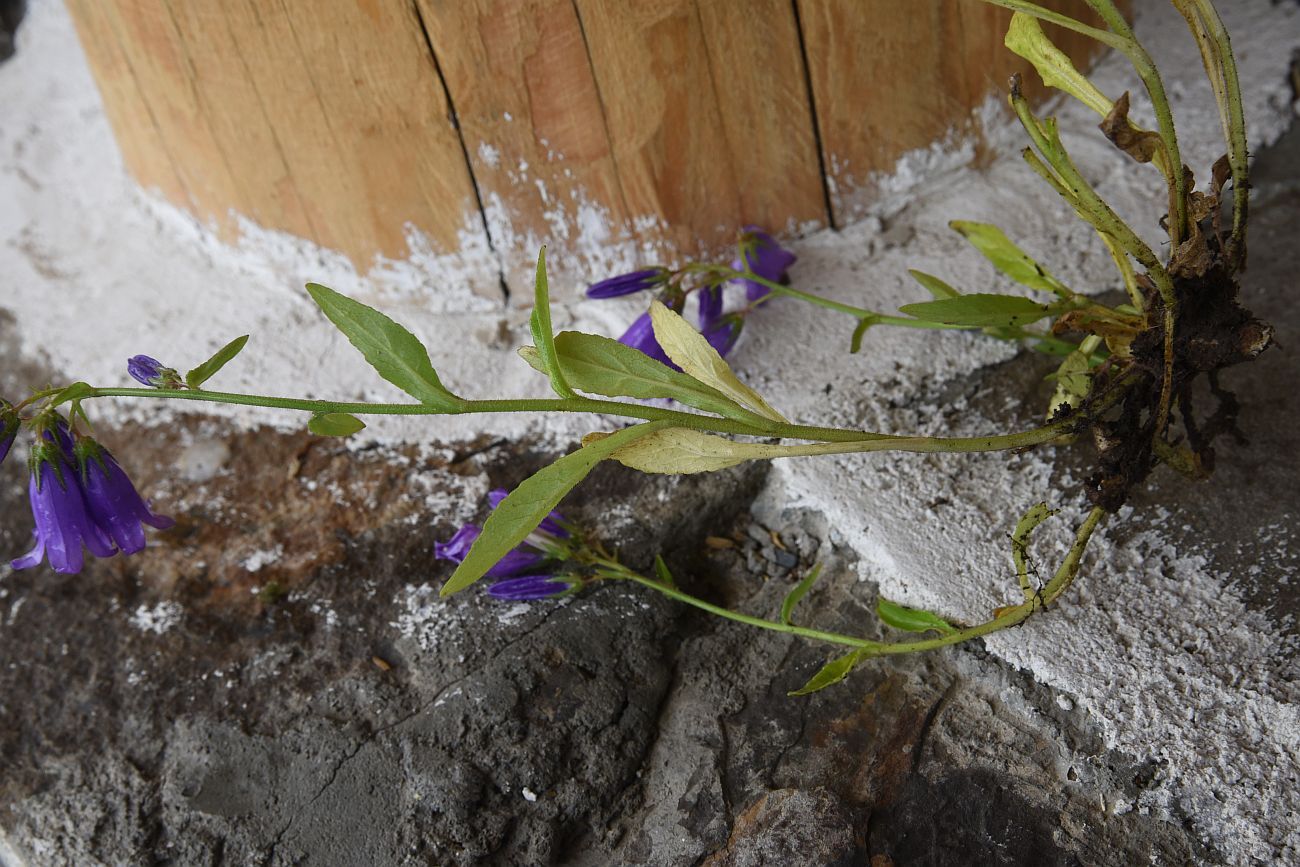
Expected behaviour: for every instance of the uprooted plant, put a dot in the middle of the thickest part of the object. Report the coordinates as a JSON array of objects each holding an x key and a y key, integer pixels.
[{"x": 1125, "y": 380}]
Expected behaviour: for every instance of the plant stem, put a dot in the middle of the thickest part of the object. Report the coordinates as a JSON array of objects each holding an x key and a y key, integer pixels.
[
  {"x": 1155, "y": 87},
  {"x": 774, "y": 625},
  {"x": 830, "y": 440},
  {"x": 1009, "y": 617}
]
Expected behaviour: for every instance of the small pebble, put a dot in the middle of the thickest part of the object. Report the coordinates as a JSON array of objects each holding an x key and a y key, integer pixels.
[{"x": 785, "y": 559}]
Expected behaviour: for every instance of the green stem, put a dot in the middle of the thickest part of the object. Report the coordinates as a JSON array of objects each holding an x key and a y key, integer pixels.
[
  {"x": 1065, "y": 574},
  {"x": 1122, "y": 39},
  {"x": 1070, "y": 184},
  {"x": 774, "y": 625},
  {"x": 1155, "y": 87},
  {"x": 1234, "y": 121},
  {"x": 831, "y": 440}
]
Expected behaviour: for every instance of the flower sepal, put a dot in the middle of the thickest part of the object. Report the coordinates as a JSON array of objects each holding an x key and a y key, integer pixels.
[{"x": 9, "y": 425}]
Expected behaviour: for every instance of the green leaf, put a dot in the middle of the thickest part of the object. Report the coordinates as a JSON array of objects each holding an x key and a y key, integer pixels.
[
  {"x": 661, "y": 572},
  {"x": 911, "y": 619},
  {"x": 1008, "y": 258},
  {"x": 219, "y": 359},
  {"x": 694, "y": 355},
  {"x": 525, "y": 507},
  {"x": 832, "y": 672},
  {"x": 75, "y": 391},
  {"x": 799, "y": 592},
  {"x": 604, "y": 366},
  {"x": 980, "y": 310},
  {"x": 685, "y": 450},
  {"x": 334, "y": 424},
  {"x": 1028, "y": 522},
  {"x": 540, "y": 324},
  {"x": 1025, "y": 37},
  {"x": 392, "y": 351},
  {"x": 936, "y": 287}
]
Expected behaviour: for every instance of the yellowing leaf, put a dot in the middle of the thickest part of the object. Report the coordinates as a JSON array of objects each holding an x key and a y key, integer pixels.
[
  {"x": 1007, "y": 257},
  {"x": 693, "y": 354},
  {"x": 1025, "y": 37},
  {"x": 683, "y": 450}
]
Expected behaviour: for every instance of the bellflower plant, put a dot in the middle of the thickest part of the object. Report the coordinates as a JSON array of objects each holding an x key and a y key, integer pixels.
[
  {"x": 63, "y": 521},
  {"x": 80, "y": 496},
  {"x": 760, "y": 254},
  {"x": 117, "y": 508},
  {"x": 628, "y": 284},
  {"x": 516, "y": 564},
  {"x": 1126, "y": 380}
]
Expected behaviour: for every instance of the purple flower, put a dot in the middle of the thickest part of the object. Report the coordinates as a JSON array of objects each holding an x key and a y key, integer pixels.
[
  {"x": 710, "y": 306},
  {"x": 552, "y": 524},
  {"x": 724, "y": 333},
  {"x": 764, "y": 257},
  {"x": 455, "y": 548},
  {"x": 63, "y": 521},
  {"x": 523, "y": 558},
  {"x": 528, "y": 587},
  {"x": 118, "y": 509},
  {"x": 641, "y": 335},
  {"x": 9, "y": 424},
  {"x": 626, "y": 284},
  {"x": 150, "y": 371}
]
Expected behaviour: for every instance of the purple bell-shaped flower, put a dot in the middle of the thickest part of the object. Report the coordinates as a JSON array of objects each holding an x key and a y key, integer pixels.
[
  {"x": 63, "y": 521},
  {"x": 118, "y": 509}
]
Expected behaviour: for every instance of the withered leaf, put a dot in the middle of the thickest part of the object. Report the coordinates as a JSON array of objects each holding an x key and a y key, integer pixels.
[
  {"x": 1192, "y": 258},
  {"x": 1141, "y": 145}
]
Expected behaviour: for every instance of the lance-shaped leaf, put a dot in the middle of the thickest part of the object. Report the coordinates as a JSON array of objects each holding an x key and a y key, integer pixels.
[
  {"x": 1028, "y": 522},
  {"x": 392, "y": 351},
  {"x": 693, "y": 354},
  {"x": 680, "y": 450},
  {"x": 911, "y": 619},
  {"x": 334, "y": 424},
  {"x": 1025, "y": 37},
  {"x": 601, "y": 365},
  {"x": 219, "y": 359},
  {"x": 832, "y": 672},
  {"x": 799, "y": 592},
  {"x": 524, "y": 508},
  {"x": 1008, "y": 258},
  {"x": 936, "y": 287},
  {"x": 979, "y": 310},
  {"x": 540, "y": 324}
]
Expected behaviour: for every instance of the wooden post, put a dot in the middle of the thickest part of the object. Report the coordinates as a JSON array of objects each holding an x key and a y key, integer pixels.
[{"x": 619, "y": 132}]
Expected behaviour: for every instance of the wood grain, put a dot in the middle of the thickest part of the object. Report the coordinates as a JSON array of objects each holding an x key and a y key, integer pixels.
[
  {"x": 332, "y": 126},
  {"x": 888, "y": 78},
  {"x": 661, "y": 109},
  {"x": 534, "y": 132},
  {"x": 139, "y": 137},
  {"x": 619, "y": 132},
  {"x": 758, "y": 77}
]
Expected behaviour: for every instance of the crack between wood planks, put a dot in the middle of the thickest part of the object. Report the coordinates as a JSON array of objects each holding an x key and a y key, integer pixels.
[{"x": 464, "y": 150}]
